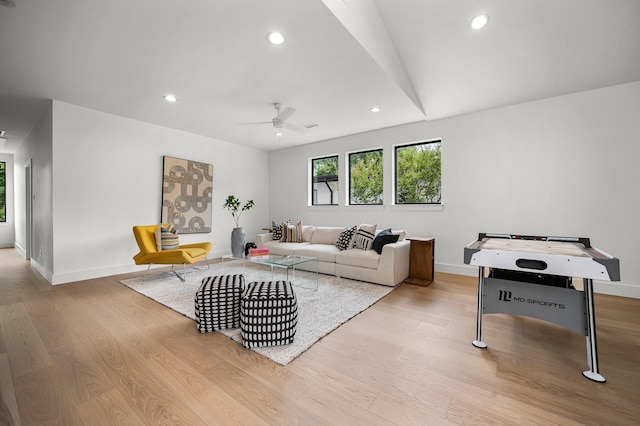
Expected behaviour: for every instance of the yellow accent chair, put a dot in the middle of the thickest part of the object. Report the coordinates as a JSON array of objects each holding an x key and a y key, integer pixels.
[{"x": 184, "y": 254}]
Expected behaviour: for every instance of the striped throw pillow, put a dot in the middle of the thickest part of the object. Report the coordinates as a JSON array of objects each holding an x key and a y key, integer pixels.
[
  {"x": 167, "y": 237},
  {"x": 365, "y": 236},
  {"x": 292, "y": 233}
]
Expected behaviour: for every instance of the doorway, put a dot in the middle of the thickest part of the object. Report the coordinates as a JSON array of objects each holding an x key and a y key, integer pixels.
[{"x": 28, "y": 210}]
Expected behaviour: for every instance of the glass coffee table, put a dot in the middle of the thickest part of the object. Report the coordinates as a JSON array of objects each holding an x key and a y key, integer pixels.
[{"x": 302, "y": 271}]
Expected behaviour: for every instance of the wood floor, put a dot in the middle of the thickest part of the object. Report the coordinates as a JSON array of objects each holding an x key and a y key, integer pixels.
[{"x": 97, "y": 353}]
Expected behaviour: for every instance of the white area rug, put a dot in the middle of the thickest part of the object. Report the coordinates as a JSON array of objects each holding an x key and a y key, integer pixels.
[{"x": 319, "y": 312}]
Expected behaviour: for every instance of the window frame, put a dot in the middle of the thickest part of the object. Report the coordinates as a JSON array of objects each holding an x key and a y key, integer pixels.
[
  {"x": 348, "y": 168},
  {"x": 395, "y": 172},
  {"x": 313, "y": 191}
]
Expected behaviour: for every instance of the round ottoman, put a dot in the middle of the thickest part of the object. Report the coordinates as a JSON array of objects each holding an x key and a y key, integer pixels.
[
  {"x": 217, "y": 302},
  {"x": 268, "y": 314}
]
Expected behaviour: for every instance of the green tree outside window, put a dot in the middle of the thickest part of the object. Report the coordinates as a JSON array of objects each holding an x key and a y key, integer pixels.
[
  {"x": 418, "y": 173},
  {"x": 365, "y": 178}
]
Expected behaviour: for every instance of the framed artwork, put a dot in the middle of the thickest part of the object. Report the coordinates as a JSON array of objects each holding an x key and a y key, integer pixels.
[{"x": 187, "y": 189}]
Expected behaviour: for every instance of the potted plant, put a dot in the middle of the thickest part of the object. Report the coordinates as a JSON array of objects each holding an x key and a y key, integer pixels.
[{"x": 236, "y": 208}]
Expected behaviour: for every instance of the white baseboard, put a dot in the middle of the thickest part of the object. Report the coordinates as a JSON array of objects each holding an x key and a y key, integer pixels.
[
  {"x": 20, "y": 250},
  {"x": 88, "y": 274},
  {"x": 6, "y": 245},
  {"x": 613, "y": 288},
  {"x": 46, "y": 274}
]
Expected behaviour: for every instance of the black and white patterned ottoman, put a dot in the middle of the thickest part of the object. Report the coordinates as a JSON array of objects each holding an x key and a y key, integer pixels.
[
  {"x": 268, "y": 314},
  {"x": 218, "y": 302}
]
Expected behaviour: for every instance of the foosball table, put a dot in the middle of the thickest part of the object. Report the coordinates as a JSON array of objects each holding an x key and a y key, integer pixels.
[{"x": 533, "y": 276}]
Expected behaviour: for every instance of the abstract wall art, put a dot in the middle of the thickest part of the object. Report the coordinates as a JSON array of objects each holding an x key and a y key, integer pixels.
[{"x": 187, "y": 190}]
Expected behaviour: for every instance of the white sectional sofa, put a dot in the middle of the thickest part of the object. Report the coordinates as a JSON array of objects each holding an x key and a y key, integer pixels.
[{"x": 389, "y": 268}]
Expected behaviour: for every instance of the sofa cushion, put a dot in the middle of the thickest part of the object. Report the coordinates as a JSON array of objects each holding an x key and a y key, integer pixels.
[
  {"x": 322, "y": 252},
  {"x": 383, "y": 238},
  {"x": 364, "y": 236},
  {"x": 325, "y": 235},
  {"x": 402, "y": 234},
  {"x": 357, "y": 257},
  {"x": 345, "y": 239},
  {"x": 307, "y": 233},
  {"x": 276, "y": 247}
]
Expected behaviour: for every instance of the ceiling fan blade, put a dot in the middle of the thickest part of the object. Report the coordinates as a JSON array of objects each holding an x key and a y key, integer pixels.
[
  {"x": 255, "y": 122},
  {"x": 295, "y": 127},
  {"x": 286, "y": 113}
]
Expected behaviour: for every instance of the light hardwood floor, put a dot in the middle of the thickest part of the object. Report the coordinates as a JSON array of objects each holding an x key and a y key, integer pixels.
[{"x": 97, "y": 353}]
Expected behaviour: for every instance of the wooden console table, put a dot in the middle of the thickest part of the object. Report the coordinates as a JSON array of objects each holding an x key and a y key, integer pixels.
[{"x": 421, "y": 261}]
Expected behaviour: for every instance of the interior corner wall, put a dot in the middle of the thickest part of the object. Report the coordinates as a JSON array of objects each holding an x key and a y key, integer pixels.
[
  {"x": 36, "y": 148},
  {"x": 108, "y": 177},
  {"x": 563, "y": 166},
  {"x": 7, "y": 233}
]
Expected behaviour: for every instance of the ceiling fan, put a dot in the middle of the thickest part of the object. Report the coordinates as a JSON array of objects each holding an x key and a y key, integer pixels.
[{"x": 280, "y": 120}]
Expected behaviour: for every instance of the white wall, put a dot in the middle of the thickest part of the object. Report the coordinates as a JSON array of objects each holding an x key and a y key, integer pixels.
[
  {"x": 37, "y": 148},
  {"x": 108, "y": 177},
  {"x": 564, "y": 166},
  {"x": 7, "y": 234}
]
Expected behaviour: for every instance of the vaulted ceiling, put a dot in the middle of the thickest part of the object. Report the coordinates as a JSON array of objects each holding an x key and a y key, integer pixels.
[{"x": 415, "y": 59}]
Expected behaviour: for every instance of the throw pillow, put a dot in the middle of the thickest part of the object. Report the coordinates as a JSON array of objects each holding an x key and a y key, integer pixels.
[
  {"x": 345, "y": 237},
  {"x": 277, "y": 230},
  {"x": 167, "y": 237},
  {"x": 383, "y": 238},
  {"x": 364, "y": 236},
  {"x": 283, "y": 238},
  {"x": 292, "y": 233}
]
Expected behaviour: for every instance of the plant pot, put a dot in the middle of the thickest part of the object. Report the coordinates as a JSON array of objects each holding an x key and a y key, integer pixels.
[{"x": 237, "y": 242}]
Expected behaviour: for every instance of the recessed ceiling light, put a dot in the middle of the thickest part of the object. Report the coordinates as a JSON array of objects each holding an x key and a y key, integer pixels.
[
  {"x": 374, "y": 109},
  {"x": 275, "y": 38},
  {"x": 278, "y": 134},
  {"x": 170, "y": 98},
  {"x": 479, "y": 22}
]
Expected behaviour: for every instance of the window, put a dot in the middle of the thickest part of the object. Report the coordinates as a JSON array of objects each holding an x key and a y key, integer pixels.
[
  {"x": 417, "y": 172},
  {"x": 3, "y": 191},
  {"x": 324, "y": 181},
  {"x": 365, "y": 178}
]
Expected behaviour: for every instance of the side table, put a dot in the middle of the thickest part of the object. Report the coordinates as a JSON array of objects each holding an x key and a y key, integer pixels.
[{"x": 421, "y": 261}]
